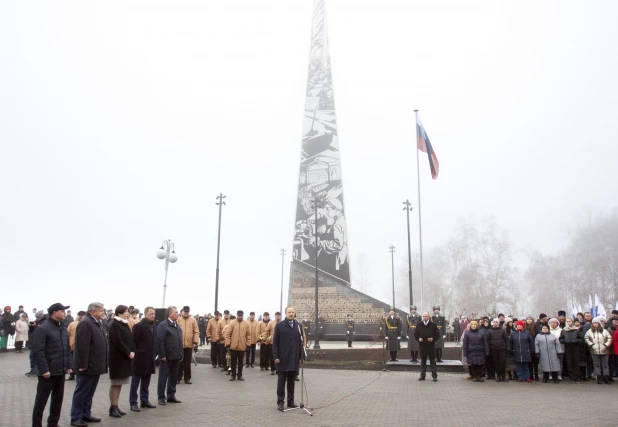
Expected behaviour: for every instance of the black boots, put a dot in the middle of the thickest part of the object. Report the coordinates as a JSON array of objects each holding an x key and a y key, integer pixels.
[
  {"x": 422, "y": 377},
  {"x": 599, "y": 379},
  {"x": 438, "y": 355},
  {"x": 113, "y": 412}
]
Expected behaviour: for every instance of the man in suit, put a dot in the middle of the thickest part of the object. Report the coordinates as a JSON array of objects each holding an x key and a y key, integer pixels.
[
  {"x": 427, "y": 334},
  {"x": 90, "y": 362},
  {"x": 169, "y": 348},
  {"x": 145, "y": 338},
  {"x": 288, "y": 355}
]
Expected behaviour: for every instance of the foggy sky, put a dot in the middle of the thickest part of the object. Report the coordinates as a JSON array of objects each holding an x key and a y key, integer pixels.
[{"x": 120, "y": 122}]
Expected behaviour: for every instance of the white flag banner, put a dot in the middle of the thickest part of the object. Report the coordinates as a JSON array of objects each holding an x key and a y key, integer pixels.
[{"x": 598, "y": 305}]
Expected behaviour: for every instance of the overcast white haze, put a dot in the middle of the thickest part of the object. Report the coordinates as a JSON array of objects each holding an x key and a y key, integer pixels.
[{"x": 120, "y": 122}]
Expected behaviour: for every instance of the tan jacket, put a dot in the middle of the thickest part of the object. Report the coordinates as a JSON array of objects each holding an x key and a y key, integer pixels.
[
  {"x": 212, "y": 330},
  {"x": 71, "y": 331},
  {"x": 262, "y": 331},
  {"x": 190, "y": 331},
  {"x": 238, "y": 335},
  {"x": 270, "y": 330},
  {"x": 132, "y": 322},
  {"x": 223, "y": 322},
  {"x": 255, "y": 327}
]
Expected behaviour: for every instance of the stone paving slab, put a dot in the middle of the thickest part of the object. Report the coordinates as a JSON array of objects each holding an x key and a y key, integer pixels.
[{"x": 378, "y": 399}]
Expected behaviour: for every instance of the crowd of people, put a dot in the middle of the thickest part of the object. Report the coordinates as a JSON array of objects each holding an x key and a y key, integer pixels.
[{"x": 128, "y": 345}]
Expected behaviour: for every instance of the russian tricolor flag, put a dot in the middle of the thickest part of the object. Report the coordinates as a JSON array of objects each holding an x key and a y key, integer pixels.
[{"x": 425, "y": 146}]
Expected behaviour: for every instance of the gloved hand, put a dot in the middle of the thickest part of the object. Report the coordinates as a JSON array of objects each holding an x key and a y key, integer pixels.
[
  {"x": 407, "y": 337},
  {"x": 398, "y": 338}
]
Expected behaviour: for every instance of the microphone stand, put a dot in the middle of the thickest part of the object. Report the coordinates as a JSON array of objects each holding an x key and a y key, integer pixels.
[{"x": 302, "y": 406}]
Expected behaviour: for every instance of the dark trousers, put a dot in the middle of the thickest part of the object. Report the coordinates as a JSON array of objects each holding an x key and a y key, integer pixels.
[
  {"x": 168, "y": 375},
  {"x": 19, "y": 345},
  {"x": 489, "y": 366},
  {"x": 432, "y": 363},
  {"x": 214, "y": 353},
  {"x": 33, "y": 367},
  {"x": 202, "y": 339},
  {"x": 554, "y": 376},
  {"x": 414, "y": 355},
  {"x": 222, "y": 361},
  {"x": 393, "y": 355},
  {"x": 613, "y": 360},
  {"x": 85, "y": 386},
  {"x": 143, "y": 393},
  {"x": 184, "y": 367},
  {"x": 284, "y": 377},
  {"x": 498, "y": 360},
  {"x": 476, "y": 371},
  {"x": 571, "y": 361},
  {"x": 250, "y": 352},
  {"x": 265, "y": 356},
  {"x": 53, "y": 385},
  {"x": 236, "y": 362}
]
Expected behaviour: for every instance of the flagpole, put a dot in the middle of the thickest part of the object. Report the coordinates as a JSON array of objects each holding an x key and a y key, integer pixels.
[{"x": 420, "y": 228}]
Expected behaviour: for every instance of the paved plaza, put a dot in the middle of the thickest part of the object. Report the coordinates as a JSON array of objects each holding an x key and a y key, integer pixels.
[{"x": 380, "y": 398}]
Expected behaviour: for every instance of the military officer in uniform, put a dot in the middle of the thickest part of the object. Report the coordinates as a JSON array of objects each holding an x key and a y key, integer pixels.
[
  {"x": 413, "y": 320},
  {"x": 349, "y": 330},
  {"x": 440, "y": 322},
  {"x": 392, "y": 325}
]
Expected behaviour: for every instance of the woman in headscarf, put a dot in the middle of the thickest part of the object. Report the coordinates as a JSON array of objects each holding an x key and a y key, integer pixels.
[{"x": 546, "y": 346}]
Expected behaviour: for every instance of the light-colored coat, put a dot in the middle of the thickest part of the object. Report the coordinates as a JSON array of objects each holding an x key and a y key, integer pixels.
[
  {"x": 599, "y": 342},
  {"x": 212, "y": 330},
  {"x": 237, "y": 335},
  {"x": 190, "y": 331},
  {"x": 547, "y": 347},
  {"x": 21, "y": 330},
  {"x": 223, "y": 322},
  {"x": 254, "y": 327}
]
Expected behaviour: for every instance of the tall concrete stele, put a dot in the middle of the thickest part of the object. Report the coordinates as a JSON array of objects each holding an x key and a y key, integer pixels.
[{"x": 320, "y": 167}]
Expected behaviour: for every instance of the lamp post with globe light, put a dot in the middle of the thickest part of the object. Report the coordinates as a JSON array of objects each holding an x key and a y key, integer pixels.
[{"x": 166, "y": 251}]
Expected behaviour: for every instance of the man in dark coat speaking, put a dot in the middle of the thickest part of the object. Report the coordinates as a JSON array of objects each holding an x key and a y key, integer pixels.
[
  {"x": 288, "y": 355},
  {"x": 427, "y": 334}
]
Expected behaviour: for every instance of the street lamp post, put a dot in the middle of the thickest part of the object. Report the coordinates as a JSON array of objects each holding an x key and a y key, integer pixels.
[
  {"x": 408, "y": 208},
  {"x": 282, "y": 264},
  {"x": 316, "y": 345},
  {"x": 220, "y": 203},
  {"x": 166, "y": 251},
  {"x": 392, "y": 251}
]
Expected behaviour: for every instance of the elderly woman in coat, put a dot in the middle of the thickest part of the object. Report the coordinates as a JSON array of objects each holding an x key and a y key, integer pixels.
[
  {"x": 21, "y": 329},
  {"x": 475, "y": 349},
  {"x": 547, "y": 347},
  {"x": 521, "y": 345},
  {"x": 600, "y": 341}
]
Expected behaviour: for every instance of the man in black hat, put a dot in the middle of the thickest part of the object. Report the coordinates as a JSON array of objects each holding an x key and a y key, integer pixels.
[
  {"x": 392, "y": 323},
  {"x": 52, "y": 356},
  {"x": 562, "y": 318},
  {"x": 413, "y": 320},
  {"x": 440, "y": 322},
  {"x": 349, "y": 330}
]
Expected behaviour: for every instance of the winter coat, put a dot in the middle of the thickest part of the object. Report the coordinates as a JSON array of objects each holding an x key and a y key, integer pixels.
[
  {"x": 262, "y": 331},
  {"x": 7, "y": 320},
  {"x": 90, "y": 347},
  {"x": 426, "y": 348},
  {"x": 496, "y": 339},
  {"x": 121, "y": 345},
  {"x": 254, "y": 327},
  {"x": 169, "y": 341},
  {"x": 475, "y": 347},
  {"x": 456, "y": 328},
  {"x": 238, "y": 335},
  {"x": 71, "y": 331},
  {"x": 547, "y": 347},
  {"x": 571, "y": 337},
  {"x": 190, "y": 331},
  {"x": 557, "y": 332},
  {"x": 50, "y": 348},
  {"x": 223, "y": 322},
  {"x": 287, "y": 346},
  {"x": 270, "y": 331},
  {"x": 212, "y": 330},
  {"x": 145, "y": 339},
  {"x": 393, "y": 327},
  {"x": 21, "y": 330},
  {"x": 201, "y": 324},
  {"x": 521, "y": 344},
  {"x": 598, "y": 342}
]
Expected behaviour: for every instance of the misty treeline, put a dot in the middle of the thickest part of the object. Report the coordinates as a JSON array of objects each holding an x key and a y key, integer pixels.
[{"x": 479, "y": 270}]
